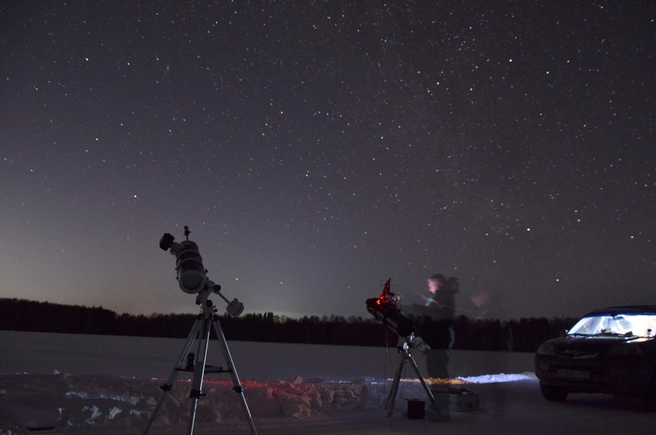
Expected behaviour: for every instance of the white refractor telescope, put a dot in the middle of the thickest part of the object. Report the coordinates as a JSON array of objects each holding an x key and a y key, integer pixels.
[{"x": 192, "y": 275}]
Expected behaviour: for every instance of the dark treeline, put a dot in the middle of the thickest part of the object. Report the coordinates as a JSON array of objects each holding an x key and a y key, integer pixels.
[{"x": 523, "y": 335}]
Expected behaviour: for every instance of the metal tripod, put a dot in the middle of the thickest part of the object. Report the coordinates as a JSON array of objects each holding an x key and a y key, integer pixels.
[
  {"x": 188, "y": 363},
  {"x": 404, "y": 357}
]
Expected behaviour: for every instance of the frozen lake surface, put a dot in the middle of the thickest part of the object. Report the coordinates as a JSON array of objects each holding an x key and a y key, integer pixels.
[{"x": 42, "y": 353}]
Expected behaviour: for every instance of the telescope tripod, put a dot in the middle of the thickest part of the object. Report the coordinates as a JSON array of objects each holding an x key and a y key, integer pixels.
[
  {"x": 405, "y": 356},
  {"x": 187, "y": 362}
]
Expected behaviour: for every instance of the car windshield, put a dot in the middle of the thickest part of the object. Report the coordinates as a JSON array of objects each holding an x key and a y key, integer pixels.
[{"x": 642, "y": 325}]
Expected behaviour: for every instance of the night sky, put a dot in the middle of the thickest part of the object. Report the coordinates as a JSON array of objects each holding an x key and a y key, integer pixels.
[{"x": 317, "y": 148}]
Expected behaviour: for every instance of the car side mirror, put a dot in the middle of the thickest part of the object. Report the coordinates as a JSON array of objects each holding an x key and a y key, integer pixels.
[{"x": 563, "y": 332}]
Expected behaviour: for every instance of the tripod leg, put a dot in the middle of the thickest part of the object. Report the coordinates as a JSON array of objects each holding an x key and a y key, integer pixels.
[
  {"x": 233, "y": 373},
  {"x": 166, "y": 387},
  {"x": 199, "y": 371},
  {"x": 434, "y": 405},
  {"x": 391, "y": 397}
]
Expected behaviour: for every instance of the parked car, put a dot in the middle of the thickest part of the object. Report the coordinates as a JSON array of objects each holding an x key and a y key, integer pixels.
[{"x": 610, "y": 350}]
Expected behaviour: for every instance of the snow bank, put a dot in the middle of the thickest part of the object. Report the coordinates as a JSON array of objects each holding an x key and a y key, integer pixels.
[
  {"x": 77, "y": 401},
  {"x": 62, "y": 401}
]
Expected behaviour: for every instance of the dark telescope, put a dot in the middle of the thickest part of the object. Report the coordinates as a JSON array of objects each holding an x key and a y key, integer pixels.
[{"x": 385, "y": 309}]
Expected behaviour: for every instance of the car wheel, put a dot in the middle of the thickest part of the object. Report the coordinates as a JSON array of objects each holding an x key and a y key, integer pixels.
[{"x": 553, "y": 394}]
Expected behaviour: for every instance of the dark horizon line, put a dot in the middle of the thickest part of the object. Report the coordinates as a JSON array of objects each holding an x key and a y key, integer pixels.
[{"x": 266, "y": 312}]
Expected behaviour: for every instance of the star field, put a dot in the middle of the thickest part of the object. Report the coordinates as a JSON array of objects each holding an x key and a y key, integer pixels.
[{"x": 318, "y": 148}]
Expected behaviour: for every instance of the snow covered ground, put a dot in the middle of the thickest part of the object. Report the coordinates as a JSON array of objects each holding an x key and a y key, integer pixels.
[{"x": 109, "y": 385}]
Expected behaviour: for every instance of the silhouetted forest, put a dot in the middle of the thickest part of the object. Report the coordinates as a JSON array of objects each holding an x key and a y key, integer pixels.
[{"x": 523, "y": 335}]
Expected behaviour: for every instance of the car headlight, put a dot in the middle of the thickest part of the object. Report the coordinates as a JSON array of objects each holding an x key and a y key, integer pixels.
[
  {"x": 547, "y": 349},
  {"x": 624, "y": 350}
]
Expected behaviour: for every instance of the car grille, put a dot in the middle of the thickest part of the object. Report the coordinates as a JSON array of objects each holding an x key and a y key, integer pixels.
[{"x": 576, "y": 354}]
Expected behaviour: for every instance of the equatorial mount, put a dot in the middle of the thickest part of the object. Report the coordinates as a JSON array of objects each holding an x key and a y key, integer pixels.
[{"x": 192, "y": 279}]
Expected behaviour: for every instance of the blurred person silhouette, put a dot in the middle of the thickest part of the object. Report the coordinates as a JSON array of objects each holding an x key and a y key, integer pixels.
[
  {"x": 439, "y": 306},
  {"x": 442, "y": 302}
]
